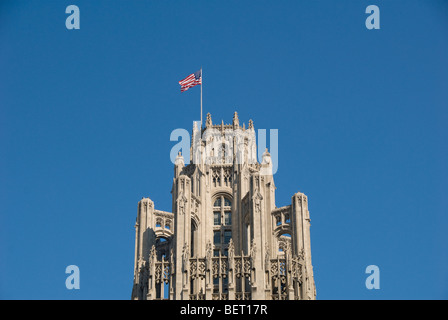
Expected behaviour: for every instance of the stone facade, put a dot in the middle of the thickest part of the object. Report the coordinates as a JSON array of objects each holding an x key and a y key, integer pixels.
[{"x": 225, "y": 239}]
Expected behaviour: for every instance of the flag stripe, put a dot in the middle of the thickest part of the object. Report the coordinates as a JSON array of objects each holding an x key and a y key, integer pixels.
[{"x": 191, "y": 81}]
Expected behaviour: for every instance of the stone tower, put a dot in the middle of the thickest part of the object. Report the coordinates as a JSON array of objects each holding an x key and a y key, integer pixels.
[{"x": 225, "y": 238}]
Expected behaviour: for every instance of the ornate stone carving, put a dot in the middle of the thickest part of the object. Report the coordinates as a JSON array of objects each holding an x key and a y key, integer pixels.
[
  {"x": 152, "y": 256},
  {"x": 208, "y": 122},
  {"x": 231, "y": 253},
  {"x": 215, "y": 268},
  {"x": 257, "y": 202},
  {"x": 185, "y": 256},
  {"x": 208, "y": 254},
  {"x": 182, "y": 204},
  {"x": 267, "y": 257},
  {"x": 193, "y": 268},
  {"x": 223, "y": 267},
  {"x": 253, "y": 251},
  {"x": 158, "y": 272},
  {"x": 201, "y": 269},
  {"x": 236, "y": 121},
  {"x": 238, "y": 267},
  {"x": 247, "y": 267}
]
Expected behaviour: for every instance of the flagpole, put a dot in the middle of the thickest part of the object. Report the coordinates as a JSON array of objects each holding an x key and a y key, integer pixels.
[{"x": 202, "y": 81}]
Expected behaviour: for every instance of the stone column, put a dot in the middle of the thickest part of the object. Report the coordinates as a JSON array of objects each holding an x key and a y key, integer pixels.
[
  {"x": 256, "y": 250},
  {"x": 231, "y": 275},
  {"x": 182, "y": 221},
  {"x": 302, "y": 242}
]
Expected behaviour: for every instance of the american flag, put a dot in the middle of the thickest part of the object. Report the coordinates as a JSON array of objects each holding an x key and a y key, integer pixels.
[{"x": 190, "y": 81}]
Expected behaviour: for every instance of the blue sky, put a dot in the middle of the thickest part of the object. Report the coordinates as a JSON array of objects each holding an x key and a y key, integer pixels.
[{"x": 86, "y": 117}]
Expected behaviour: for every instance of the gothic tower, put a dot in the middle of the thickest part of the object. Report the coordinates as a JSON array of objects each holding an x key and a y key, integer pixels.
[{"x": 225, "y": 238}]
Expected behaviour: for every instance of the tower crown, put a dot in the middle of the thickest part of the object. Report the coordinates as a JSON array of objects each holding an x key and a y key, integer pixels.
[
  {"x": 224, "y": 143},
  {"x": 224, "y": 238}
]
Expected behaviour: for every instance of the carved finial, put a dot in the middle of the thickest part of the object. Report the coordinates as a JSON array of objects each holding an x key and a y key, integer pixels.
[
  {"x": 179, "y": 160},
  {"x": 244, "y": 126},
  {"x": 208, "y": 123},
  {"x": 266, "y": 158},
  {"x": 251, "y": 124},
  {"x": 236, "y": 121}
]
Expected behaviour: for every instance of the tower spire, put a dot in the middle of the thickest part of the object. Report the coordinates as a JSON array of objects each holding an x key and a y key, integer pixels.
[{"x": 236, "y": 121}]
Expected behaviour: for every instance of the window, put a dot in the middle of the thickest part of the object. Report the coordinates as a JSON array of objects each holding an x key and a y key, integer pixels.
[
  {"x": 227, "y": 236},
  {"x": 215, "y": 285},
  {"x": 225, "y": 285},
  {"x": 217, "y": 218},
  {"x": 217, "y": 237},
  {"x": 193, "y": 238},
  {"x": 222, "y": 221},
  {"x": 228, "y": 218},
  {"x": 278, "y": 221}
]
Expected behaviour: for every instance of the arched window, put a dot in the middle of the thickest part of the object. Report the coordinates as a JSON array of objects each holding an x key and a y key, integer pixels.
[
  {"x": 222, "y": 221},
  {"x": 193, "y": 239},
  {"x": 284, "y": 241},
  {"x": 278, "y": 220},
  {"x": 222, "y": 233},
  {"x": 162, "y": 247}
]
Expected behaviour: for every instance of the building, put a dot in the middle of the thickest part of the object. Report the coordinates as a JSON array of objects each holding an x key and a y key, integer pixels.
[{"x": 225, "y": 238}]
